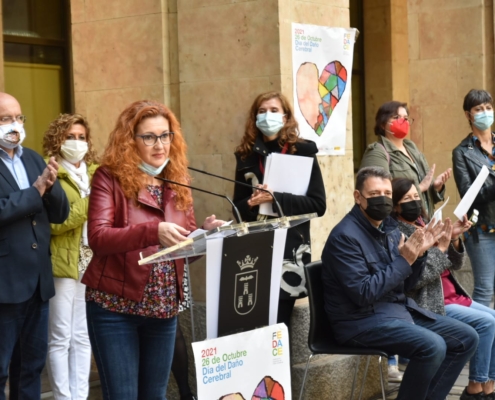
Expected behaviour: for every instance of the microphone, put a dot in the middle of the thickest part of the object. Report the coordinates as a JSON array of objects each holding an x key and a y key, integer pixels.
[
  {"x": 238, "y": 215},
  {"x": 277, "y": 204}
]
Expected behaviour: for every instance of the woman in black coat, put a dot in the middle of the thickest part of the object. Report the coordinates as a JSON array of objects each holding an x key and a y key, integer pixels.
[
  {"x": 272, "y": 128},
  {"x": 474, "y": 152}
]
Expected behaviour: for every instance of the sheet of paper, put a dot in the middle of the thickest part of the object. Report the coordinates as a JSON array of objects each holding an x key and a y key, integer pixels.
[
  {"x": 438, "y": 213},
  {"x": 197, "y": 232},
  {"x": 200, "y": 231},
  {"x": 286, "y": 174},
  {"x": 468, "y": 199}
]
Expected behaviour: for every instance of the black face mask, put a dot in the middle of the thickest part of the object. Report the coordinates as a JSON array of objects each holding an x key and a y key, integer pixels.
[
  {"x": 411, "y": 210},
  {"x": 379, "y": 207}
]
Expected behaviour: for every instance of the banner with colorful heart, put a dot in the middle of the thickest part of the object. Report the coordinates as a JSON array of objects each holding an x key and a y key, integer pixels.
[{"x": 322, "y": 65}]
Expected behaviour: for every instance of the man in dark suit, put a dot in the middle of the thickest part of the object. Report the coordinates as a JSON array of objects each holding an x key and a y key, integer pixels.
[
  {"x": 30, "y": 199},
  {"x": 367, "y": 268}
]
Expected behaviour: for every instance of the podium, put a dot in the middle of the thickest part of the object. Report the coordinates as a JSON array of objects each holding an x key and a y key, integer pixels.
[{"x": 243, "y": 271}]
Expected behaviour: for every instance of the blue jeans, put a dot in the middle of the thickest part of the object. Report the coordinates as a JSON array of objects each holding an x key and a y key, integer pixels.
[
  {"x": 481, "y": 318},
  {"x": 438, "y": 350},
  {"x": 23, "y": 344},
  {"x": 482, "y": 256},
  {"x": 133, "y": 353}
]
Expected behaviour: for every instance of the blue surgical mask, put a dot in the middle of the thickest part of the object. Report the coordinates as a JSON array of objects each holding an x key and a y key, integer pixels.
[
  {"x": 152, "y": 171},
  {"x": 270, "y": 123},
  {"x": 483, "y": 120}
]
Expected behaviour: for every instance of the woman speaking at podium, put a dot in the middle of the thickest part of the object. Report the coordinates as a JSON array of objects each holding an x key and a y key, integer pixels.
[
  {"x": 131, "y": 308},
  {"x": 272, "y": 128}
]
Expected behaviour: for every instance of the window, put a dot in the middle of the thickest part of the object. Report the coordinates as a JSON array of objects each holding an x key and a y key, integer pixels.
[{"x": 36, "y": 61}]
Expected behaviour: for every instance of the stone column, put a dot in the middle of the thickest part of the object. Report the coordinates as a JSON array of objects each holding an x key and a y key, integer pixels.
[
  {"x": 386, "y": 56},
  {"x": 122, "y": 51},
  {"x": 451, "y": 51},
  {"x": 228, "y": 53}
]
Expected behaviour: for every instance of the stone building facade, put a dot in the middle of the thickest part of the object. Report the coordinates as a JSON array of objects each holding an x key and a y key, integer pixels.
[{"x": 208, "y": 59}]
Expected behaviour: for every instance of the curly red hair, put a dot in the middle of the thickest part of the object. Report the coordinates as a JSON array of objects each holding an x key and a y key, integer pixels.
[
  {"x": 121, "y": 157},
  {"x": 288, "y": 134}
]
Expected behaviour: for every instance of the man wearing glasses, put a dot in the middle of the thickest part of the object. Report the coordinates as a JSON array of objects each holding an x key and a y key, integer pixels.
[{"x": 30, "y": 199}]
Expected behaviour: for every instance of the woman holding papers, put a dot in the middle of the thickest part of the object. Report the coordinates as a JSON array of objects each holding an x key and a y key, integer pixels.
[
  {"x": 68, "y": 139},
  {"x": 401, "y": 157},
  {"x": 132, "y": 309},
  {"x": 271, "y": 128},
  {"x": 474, "y": 152},
  {"x": 439, "y": 291}
]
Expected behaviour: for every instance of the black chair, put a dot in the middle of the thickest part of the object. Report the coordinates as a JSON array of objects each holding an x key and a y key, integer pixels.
[{"x": 320, "y": 338}]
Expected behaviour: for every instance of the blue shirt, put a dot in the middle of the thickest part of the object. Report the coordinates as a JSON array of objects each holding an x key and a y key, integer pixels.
[{"x": 16, "y": 167}]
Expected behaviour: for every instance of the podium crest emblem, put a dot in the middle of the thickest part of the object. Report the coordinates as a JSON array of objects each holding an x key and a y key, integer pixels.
[{"x": 246, "y": 286}]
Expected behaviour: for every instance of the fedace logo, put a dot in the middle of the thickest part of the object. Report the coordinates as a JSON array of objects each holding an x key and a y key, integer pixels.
[
  {"x": 347, "y": 41},
  {"x": 277, "y": 345},
  {"x": 246, "y": 286}
]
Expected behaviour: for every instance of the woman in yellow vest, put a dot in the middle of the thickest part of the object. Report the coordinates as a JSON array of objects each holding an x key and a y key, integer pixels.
[{"x": 69, "y": 350}]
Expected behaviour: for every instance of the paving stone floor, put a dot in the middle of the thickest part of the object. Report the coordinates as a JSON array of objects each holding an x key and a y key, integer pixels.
[
  {"x": 455, "y": 393},
  {"x": 95, "y": 391}
]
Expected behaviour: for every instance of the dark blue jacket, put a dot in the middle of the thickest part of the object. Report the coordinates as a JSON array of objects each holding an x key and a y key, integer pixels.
[
  {"x": 25, "y": 233},
  {"x": 365, "y": 277}
]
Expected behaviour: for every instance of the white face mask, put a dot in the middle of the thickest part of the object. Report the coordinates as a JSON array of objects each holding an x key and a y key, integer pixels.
[
  {"x": 152, "y": 171},
  {"x": 8, "y": 136},
  {"x": 74, "y": 150},
  {"x": 270, "y": 123}
]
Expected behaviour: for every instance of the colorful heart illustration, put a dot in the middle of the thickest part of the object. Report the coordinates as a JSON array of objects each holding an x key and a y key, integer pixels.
[
  {"x": 268, "y": 389},
  {"x": 318, "y": 95}
]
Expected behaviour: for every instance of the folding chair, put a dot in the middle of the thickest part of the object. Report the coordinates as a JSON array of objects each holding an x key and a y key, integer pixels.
[{"x": 320, "y": 338}]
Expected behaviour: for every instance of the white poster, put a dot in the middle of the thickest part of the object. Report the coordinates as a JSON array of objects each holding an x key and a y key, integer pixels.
[
  {"x": 253, "y": 365},
  {"x": 322, "y": 69}
]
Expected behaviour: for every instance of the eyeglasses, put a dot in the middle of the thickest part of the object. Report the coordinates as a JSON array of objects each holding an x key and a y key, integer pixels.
[
  {"x": 150, "y": 140},
  {"x": 410, "y": 120},
  {"x": 10, "y": 120}
]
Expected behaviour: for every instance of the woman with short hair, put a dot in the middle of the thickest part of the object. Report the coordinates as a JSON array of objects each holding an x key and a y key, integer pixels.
[
  {"x": 476, "y": 150},
  {"x": 439, "y": 290},
  {"x": 401, "y": 157}
]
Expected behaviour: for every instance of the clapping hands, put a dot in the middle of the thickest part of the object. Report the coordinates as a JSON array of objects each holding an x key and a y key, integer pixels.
[
  {"x": 438, "y": 182},
  {"x": 46, "y": 180},
  {"x": 424, "y": 238}
]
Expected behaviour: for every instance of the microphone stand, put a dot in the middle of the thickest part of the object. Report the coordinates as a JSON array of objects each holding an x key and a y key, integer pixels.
[
  {"x": 238, "y": 215},
  {"x": 244, "y": 230},
  {"x": 277, "y": 204}
]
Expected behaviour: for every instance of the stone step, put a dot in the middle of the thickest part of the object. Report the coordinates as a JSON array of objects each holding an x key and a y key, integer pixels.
[{"x": 329, "y": 376}]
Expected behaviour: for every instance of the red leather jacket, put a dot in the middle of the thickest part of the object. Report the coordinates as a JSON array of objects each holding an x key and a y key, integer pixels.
[{"x": 118, "y": 230}]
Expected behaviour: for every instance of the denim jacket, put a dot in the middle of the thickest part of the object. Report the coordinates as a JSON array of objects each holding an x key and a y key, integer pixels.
[{"x": 365, "y": 277}]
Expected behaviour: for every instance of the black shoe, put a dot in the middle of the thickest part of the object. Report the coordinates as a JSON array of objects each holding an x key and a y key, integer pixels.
[
  {"x": 478, "y": 396},
  {"x": 490, "y": 396}
]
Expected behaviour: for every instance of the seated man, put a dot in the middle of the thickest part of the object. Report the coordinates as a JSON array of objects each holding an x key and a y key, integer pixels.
[{"x": 367, "y": 266}]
